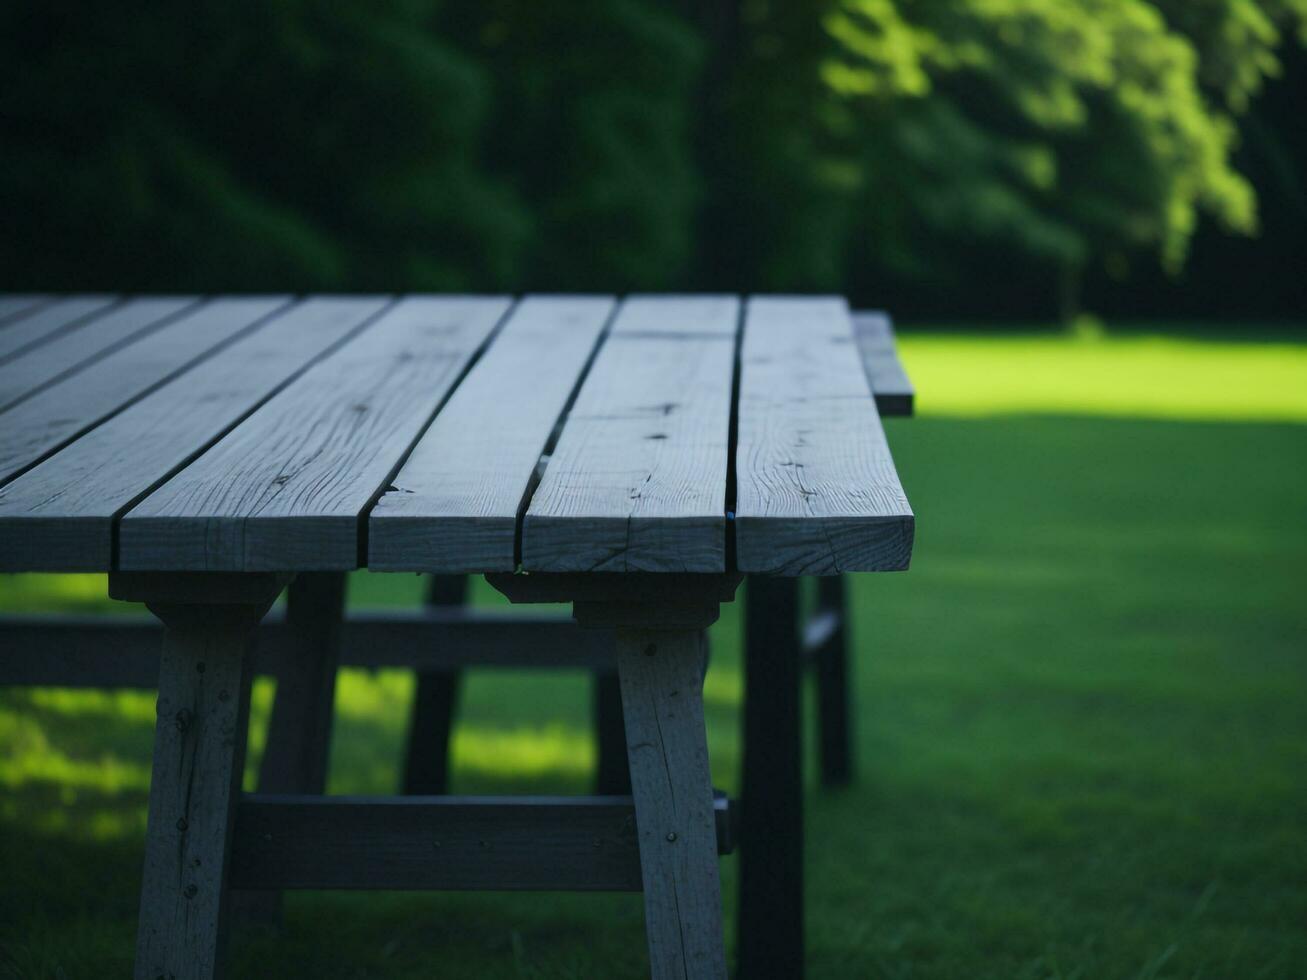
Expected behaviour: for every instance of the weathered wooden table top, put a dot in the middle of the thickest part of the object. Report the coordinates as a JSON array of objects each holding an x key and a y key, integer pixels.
[{"x": 443, "y": 434}]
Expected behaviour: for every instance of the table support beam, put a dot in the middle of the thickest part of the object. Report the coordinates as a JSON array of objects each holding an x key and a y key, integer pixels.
[{"x": 446, "y": 843}]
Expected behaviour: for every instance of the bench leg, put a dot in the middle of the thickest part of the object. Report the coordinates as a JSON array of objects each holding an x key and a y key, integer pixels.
[
  {"x": 770, "y": 935},
  {"x": 199, "y": 748},
  {"x": 833, "y": 688},
  {"x": 298, "y": 746},
  {"x": 426, "y": 758},
  {"x": 661, "y": 678}
]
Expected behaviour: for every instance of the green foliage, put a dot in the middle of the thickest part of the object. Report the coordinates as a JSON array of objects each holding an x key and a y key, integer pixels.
[
  {"x": 592, "y": 127},
  {"x": 1062, "y": 133},
  {"x": 851, "y": 145},
  {"x": 302, "y": 144}
]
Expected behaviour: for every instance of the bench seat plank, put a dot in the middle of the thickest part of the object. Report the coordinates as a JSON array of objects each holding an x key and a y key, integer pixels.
[
  {"x": 286, "y": 489},
  {"x": 49, "y": 321},
  {"x": 880, "y": 358},
  {"x": 817, "y": 492},
  {"x": 58, "y": 516},
  {"x": 454, "y": 506},
  {"x": 50, "y": 418},
  {"x": 637, "y": 481},
  {"x": 64, "y": 354}
]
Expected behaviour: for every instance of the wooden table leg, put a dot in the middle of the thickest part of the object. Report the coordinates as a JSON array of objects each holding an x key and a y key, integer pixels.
[
  {"x": 770, "y": 935},
  {"x": 426, "y": 757},
  {"x": 661, "y": 676},
  {"x": 199, "y": 748},
  {"x": 833, "y": 688},
  {"x": 658, "y": 622},
  {"x": 298, "y": 747}
]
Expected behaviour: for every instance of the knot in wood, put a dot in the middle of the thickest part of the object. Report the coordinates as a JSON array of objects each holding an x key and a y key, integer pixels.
[
  {"x": 183, "y": 719},
  {"x": 671, "y": 837},
  {"x": 191, "y": 891},
  {"x": 651, "y": 649}
]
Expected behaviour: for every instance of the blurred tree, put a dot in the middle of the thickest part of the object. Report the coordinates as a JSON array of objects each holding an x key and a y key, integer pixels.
[
  {"x": 1009, "y": 133},
  {"x": 995, "y": 153},
  {"x": 592, "y": 127},
  {"x": 295, "y": 145}
]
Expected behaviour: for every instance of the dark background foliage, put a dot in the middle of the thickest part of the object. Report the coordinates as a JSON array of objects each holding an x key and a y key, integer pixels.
[{"x": 1017, "y": 159}]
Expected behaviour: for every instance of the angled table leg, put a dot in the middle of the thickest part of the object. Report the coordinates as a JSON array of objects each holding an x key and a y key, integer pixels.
[
  {"x": 199, "y": 749},
  {"x": 658, "y": 622},
  {"x": 298, "y": 746},
  {"x": 426, "y": 756},
  {"x": 661, "y": 675},
  {"x": 770, "y": 936}
]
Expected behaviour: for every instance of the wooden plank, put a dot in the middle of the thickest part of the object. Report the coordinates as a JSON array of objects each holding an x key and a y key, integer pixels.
[
  {"x": 880, "y": 359},
  {"x": 661, "y": 675},
  {"x": 14, "y": 305},
  {"x": 817, "y": 492},
  {"x": 286, "y": 489},
  {"x": 61, "y": 356},
  {"x": 456, "y": 502},
  {"x": 199, "y": 749},
  {"x": 59, "y": 516},
  {"x": 448, "y": 843},
  {"x": 51, "y": 418},
  {"x": 437, "y": 843},
  {"x": 48, "y": 322},
  {"x": 637, "y": 481},
  {"x": 123, "y": 651}
]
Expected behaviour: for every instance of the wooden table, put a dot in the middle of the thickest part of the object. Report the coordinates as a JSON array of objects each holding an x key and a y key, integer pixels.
[{"x": 634, "y": 459}]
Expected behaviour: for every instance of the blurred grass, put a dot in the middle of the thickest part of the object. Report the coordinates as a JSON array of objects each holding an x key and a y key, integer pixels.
[
  {"x": 1140, "y": 372},
  {"x": 1082, "y": 724}
]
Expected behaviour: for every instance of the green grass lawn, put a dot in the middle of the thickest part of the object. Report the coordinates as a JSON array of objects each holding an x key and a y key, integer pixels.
[{"x": 1081, "y": 727}]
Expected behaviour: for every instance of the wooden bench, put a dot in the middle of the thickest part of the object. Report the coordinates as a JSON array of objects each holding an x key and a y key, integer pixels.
[{"x": 176, "y": 507}]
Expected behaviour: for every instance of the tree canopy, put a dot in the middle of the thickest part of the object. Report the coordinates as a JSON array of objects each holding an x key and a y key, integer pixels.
[{"x": 855, "y": 145}]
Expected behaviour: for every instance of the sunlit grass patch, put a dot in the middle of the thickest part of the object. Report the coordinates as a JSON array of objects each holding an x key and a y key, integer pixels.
[
  {"x": 523, "y": 753},
  {"x": 1121, "y": 375}
]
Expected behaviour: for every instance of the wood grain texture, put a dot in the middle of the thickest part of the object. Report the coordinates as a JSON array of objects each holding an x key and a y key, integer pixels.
[
  {"x": 199, "y": 748},
  {"x": 59, "y": 515},
  {"x": 880, "y": 359},
  {"x": 817, "y": 492},
  {"x": 286, "y": 489},
  {"x": 661, "y": 676},
  {"x": 637, "y": 481},
  {"x": 49, "y": 321},
  {"x": 454, "y": 507},
  {"x": 50, "y": 418},
  {"x": 60, "y": 356},
  {"x": 14, "y": 305}
]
